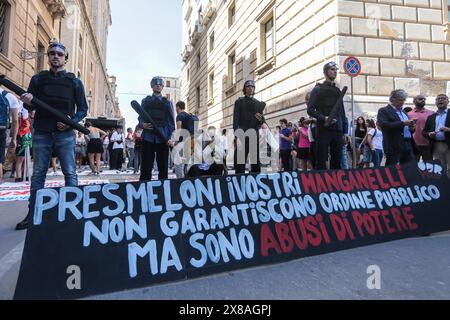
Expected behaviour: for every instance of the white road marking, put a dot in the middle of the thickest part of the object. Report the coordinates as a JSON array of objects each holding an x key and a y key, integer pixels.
[{"x": 10, "y": 259}]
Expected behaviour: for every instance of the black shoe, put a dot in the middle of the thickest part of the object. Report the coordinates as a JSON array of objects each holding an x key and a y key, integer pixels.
[{"x": 22, "y": 225}]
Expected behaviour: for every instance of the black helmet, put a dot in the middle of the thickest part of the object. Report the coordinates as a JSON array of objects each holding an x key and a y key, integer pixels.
[
  {"x": 157, "y": 81},
  {"x": 249, "y": 83},
  {"x": 56, "y": 44},
  {"x": 328, "y": 66}
]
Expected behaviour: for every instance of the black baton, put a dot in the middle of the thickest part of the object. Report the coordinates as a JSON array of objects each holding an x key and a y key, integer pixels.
[
  {"x": 140, "y": 111},
  {"x": 38, "y": 104}
]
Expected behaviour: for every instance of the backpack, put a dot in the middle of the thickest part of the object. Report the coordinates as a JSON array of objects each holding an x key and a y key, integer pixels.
[
  {"x": 4, "y": 111},
  {"x": 191, "y": 119}
]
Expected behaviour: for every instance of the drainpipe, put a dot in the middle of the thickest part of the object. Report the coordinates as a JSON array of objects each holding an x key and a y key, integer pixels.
[{"x": 25, "y": 42}]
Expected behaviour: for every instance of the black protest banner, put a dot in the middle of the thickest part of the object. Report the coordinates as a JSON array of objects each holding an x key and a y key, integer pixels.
[{"x": 103, "y": 238}]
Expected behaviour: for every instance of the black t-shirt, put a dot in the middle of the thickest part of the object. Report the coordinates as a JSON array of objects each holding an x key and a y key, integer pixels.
[
  {"x": 360, "y": 133},
  {"x": 183, "y": 117}
]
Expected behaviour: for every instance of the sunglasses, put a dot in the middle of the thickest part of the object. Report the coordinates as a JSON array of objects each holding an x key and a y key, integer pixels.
[{"x": 56, "y": 53}]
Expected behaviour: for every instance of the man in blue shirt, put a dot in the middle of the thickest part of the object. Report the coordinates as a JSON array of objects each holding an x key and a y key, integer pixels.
[
  {"x": 162, "y": 113},
  {"x": 397, "y": 130},
  {"x": 437, "y": 130},
  {"x": 65, "y": 93}
]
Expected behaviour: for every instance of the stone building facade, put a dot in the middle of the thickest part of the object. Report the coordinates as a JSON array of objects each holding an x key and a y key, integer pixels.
[
  {"x": 283, "y": 44},
  {"x": 26, "y": 27},
  {"x": 85, "y": 33},
  {"x": 172, "y": 89}
]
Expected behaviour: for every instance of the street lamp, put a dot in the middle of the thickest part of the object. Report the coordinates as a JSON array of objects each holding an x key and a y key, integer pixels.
[{"x": 30, "y": 55}]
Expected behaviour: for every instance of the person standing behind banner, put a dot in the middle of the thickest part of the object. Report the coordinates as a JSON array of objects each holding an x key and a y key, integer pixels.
[
  {"x": 285, "y": 145},
  {"x": 437, "y": 130},
  {"x": 323, "y": 99},
  {"x": 138, "y": 142},
  {"x": 397, "y": 130},
  {"x": 360, "y": 135},
  {"x": 105, "y": 155},
  {"x": 23, "y": 142},
  {"x": 375, "y": 140},
  {"x": 162, "y": 113},
  {"x": 247, "y": 116},
  {"x": 420, "y": 114},
  {"x": 224, "y": 147},
  {"x": 304, "y": 145},
  {"x": 117, "y": 139},
  {"x": 183, "y": 121},
  {"x": 80, "y": 149},
  {"x": 95, "y": 147},
  {"x": 9, "y": 109},
  {"x": 130, "y": 145}
]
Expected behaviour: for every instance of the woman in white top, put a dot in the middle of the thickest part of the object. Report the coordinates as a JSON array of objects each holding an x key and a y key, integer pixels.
[{"x": 375, "y": 139}]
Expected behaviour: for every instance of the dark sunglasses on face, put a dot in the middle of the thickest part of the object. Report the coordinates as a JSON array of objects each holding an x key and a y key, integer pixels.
[{"x": 56, "y": 53}]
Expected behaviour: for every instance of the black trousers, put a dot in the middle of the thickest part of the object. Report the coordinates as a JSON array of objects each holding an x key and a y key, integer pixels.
[
  {"x": 405, "y": 155},
  {"x": 425, "y": 153},
  {"x": 285, "y": 156},
  {"x": 330, "y": 142},
  {"x": 150, "y": 151},
  {"x": 116, "y": 159},
  {"x": 245, "y": 147},
  {"x": 313, "y": 154}
]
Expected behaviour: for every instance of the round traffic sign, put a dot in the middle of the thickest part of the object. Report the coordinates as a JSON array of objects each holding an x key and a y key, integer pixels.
[{"x": 352, "y": 67}]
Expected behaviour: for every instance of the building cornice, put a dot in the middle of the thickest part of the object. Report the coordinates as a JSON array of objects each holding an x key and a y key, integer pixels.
[{"x": 56, "y": 8}]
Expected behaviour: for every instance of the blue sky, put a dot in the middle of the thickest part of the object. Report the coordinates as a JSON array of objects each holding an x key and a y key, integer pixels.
[{"x": 144, "y": 41}]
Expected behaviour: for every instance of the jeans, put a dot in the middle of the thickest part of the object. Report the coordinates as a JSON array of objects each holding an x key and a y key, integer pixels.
[
  {"x": 137, "y": 159},
  {"x": 64, "y": 144},
  {"x": 344, "y": 161},
  {"x": 377, "y": 157},
  {"x": 105, "y": 154},
  {"x": 131, "y": 157}
]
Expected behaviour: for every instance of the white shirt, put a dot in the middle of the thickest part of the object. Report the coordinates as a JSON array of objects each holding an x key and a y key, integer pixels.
[
  {"x": 377, "y": 138},
  {"x": 23, "y": 111},
  {"x": 224, "y": 143},
  {"x": 13, "y": 102},
  {"x": 117, "y": 137}
]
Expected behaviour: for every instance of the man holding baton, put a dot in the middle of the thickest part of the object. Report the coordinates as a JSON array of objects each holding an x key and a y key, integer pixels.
[
  {"x": 161, "y": 111},
  {"x": 326, "y": 105},
  {"x": 65, "y": 93}
]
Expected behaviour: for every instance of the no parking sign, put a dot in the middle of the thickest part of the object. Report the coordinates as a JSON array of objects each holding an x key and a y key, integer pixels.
[{"x": 352, "y": 67}]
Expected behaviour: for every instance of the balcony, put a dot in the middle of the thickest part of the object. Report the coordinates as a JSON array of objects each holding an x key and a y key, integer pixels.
[
  {"x": 196, "y": 33},
  {"x": 56, "y": 8},
  {"x": 186, "y": 53},
  {"x": 210, "y": 10}
]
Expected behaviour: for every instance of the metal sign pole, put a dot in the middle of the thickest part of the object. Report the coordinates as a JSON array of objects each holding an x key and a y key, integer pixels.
[{"x": 353, "y": 127}]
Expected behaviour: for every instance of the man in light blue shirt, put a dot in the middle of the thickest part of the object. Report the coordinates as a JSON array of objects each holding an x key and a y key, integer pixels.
[{"x": 437, "y": 130}]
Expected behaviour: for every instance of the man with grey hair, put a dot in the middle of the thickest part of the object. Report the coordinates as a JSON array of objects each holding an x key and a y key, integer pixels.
[{"x": 397, "y": 130}]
